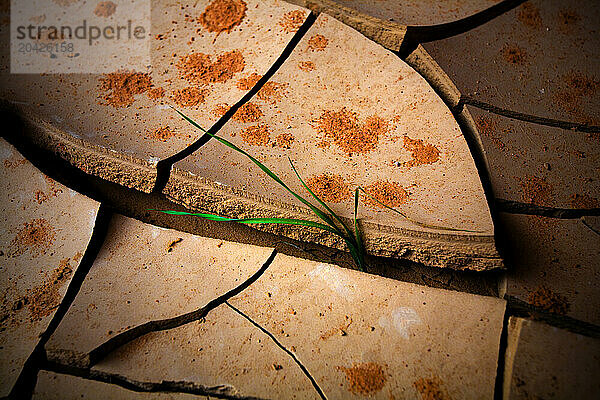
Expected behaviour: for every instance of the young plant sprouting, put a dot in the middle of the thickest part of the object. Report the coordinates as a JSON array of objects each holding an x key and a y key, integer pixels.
[{"x": 331, "y": 221}]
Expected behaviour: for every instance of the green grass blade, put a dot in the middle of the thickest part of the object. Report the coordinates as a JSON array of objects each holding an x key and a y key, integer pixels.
[
  {"x": 414, "y": 221},
  {"x": 321, "y": 202},
  {"x": 266, "y": 170},
  {"x": 283, "y": 221},
  {"x": 357, "y": 236}
]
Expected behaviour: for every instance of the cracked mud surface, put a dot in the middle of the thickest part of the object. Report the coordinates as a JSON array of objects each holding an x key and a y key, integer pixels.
[{"x": 473, "y": 115}]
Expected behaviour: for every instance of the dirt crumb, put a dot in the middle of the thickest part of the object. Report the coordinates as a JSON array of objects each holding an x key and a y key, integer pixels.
[
  {"x": 365, "y": 379},
  {"x": 389, "y": 193},
  {"x": 272, "y": 92},
  {"x": 583, "y": 201},
  {"x": 306, "y": 66},
  {"x": 329, "y": 187},
  {"x": 536, "y": 190},
  {"x": 44, "y": 299},
  {"x": 223, "y": 15},
  {"x": 256, "y": 135},
  {"x": 197, "y": 68},
  {"x": 317, "y": 43},
  {"x": 549, "y": 301},
  {"x": 529, "y": 15},
  {"x": 351, "y": 137},
  {"x": 163, "y": 134},
  {"x": 292, "y": 21},
  {"x": 249, "y": 112},
  {"x": 14, "y": 161},
  {"x": 422, "y": 153},
  {"x": 36, "y": 236},
  {"x": 189, "y": 97},
  {"x": 284, "y": 140},
  {"x": 156, "y": 93},
  {"x": 174, "y": 243},
  {"x": 105, "y": 9},
  {"x": 514, "y": 55},
  {"x": 248, "y": 82},
  {"x": 431, "y": 389},
  {"x": 121, "y": 87}
]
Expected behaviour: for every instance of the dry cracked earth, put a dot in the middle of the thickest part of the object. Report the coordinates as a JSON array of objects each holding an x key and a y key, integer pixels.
[{"x": 472, "y": 127}]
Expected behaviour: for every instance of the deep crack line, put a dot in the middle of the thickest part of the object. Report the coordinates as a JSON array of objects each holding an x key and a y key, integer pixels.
[
  {"x": 590, "y": 227},
  {"x": 282, "y": 347},
  {"x": 164, "y": 167},
  {"x": 100, "y": 352},
  {"x": 219, "y": 391},
  {"x": 572, "y": 126},
  {"x": 516, "y": 207}
]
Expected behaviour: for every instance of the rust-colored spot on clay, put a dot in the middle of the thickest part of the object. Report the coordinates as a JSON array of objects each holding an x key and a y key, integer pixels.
[
  {"x": 163, "y": 134},
  {"x": 220, "y": 109},
  {"x": 249, "y": 112},
  {"x": 123, "y": 86},
  {"x": 431, "y": 388},
  {"x": 189, "y": 97},
  {"x": 53, "y": 191},
  {"x": 583, "y": 201},
  {"x": 306, "y": 66},
  {"x": 44, "y": 299},
  {"x": 14, "y": 161},
  {"x": 156, "y": 93},
  {"x": 514, "y": 55},
  {"x": 292, "y": 21},
  {"x": 36, "y": 236},
  {"x": 248, "y": 82},
  {"x": 575, "y": 87},
  {"x": 272, "y": 92},
  {"x": 549, "y": 301},
  {"x": 197, "y": 68},
  {"x": 422, "y": 153},
  {"x": 351, "y": 137},
  {"x": 223, "y": 15},
  {"x": 529, "y": 15},
  {"x": 330, "y": 188},
  {"x": 365, "y": 379},
  {"x": 317, "y": 43},
  {"x": 105, "y": 9},
  {"x": 536, "y": 190},
  {"x": 284, "y": 140},
  {"x": 567, "y": 19},
  {"x": 488, "y": 127},
  {"x": 389, "y": 193},
  {"x": 256, "y": 135}
]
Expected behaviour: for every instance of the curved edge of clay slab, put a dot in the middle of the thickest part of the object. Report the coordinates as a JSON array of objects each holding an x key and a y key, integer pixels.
[
  {"x": 452, "y": 250},
  {"x": 91, "y": 159}
]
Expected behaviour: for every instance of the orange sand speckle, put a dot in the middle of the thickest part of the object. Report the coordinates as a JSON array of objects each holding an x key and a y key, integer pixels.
[
  {"x": 422, "y": 153},
  {"x": 44, "y": 299},
  {"x": 284, "y": 140},
  {"x": 197, "y": 68},
  {"x": 306, "y": 66},
  {"x": 566, "y": 19},
  {"x": 256, "y": 135},
  {"x": 389, "y": 193},
  {"x": 156, "y": 93},
  {"x": 163, "y": 134},
  {"x": 514, "y": 55},
  {"x": 584, "y": 201},
  {"x": 488, "y": 127},
  {"x": 431, "y": 389},
  {"x": 292, "y": 21},
  {"x": 249, "y": 112},
  {"x": 317, "y": 43},
  {"x": 365, "y": 379},
  {"x": 353, "y": 138},
  {"x": 220, "y": 109},
  {"x": 189, "y": 97},
  {"x": 248, "y": 82},
  {"x": 272, "y": 92},
  {"x": 536, "y": 190},
  {"x": 549, "y": 301},
  {"x": 223, "y": 15},
  {"x": 529, "y": 15},
  {"x": 123, "y": 86},
  {"x": 36, "y": 236},
  {"x": 53, "y": 191},
  {"x": 105, "y": 9},
  {"x": 330, "y": 188}
]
